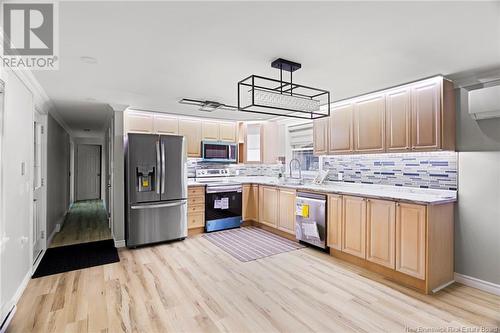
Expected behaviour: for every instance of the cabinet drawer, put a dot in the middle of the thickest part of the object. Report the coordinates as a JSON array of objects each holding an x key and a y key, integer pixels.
[
  {"x": 196, "y": 191},
  {"x": 196, "y": 208},
  {"x": 196, "y": 200},
  {"x": 196, "y": 220}
]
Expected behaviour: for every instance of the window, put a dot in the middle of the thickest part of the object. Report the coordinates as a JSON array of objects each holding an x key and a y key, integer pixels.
[{"x": 300, "y": 138}]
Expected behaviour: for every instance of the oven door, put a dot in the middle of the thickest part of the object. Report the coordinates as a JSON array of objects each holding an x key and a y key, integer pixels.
[
  {"x": 222, "y": 209},
  {"x": 219, "y": 152}
]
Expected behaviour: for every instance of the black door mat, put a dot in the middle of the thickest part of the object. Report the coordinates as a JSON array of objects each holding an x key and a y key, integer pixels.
[{"x": 72, "y": 257}]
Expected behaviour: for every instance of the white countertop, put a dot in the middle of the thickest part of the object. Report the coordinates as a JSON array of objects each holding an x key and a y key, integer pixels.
[{"x": 399, "y": 193}]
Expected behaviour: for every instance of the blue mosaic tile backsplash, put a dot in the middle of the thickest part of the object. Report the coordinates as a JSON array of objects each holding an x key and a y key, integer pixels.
[{"x": 437, "y": 170}]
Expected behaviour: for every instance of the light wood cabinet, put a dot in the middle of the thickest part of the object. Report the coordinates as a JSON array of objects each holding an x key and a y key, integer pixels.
[
  {"x": 340, "y": 138},
  {"x": 398, "y": 118},
  {"x": 286, "y": 216},
  {"x": 227, "y": 132},
  {"x": 191, "y": 129},
  {"x": 271, "y": 141},
  {"x": 210, "y": 130},
  {"x": 410, "y": 239},
  {"x": 166, "y": 125},
  {"x": 250, "y": 204},
  {"x": 334, "y": 237},
  {"x": 381, "y": 232},
  {"x": 253, "y": 143},
  {"x": 418, "y": 116},
  {"x": 354, "y": 226},
  {"x": 426, "y": 116},
  {"x": 268, "y": 205},
  {"x": 369, "y": 124},
  {"x": 196, "y": 207},
  {"x": 139, "y": 122},
  {"x": 320, "y": 136}
]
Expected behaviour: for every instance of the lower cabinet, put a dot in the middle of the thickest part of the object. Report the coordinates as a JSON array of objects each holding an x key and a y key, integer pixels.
[
  {"x": 196, "y": 207},
  {"x": 250, "y": 204},
  {"x": 381, "y": 232},
  {"x": 354, "y": 226},
  {"x": 286, "y": 216},
  {"x": 410, "y": 239},
  {"x": 334, "y": 227},
  {"x": 268, "y": 205}
]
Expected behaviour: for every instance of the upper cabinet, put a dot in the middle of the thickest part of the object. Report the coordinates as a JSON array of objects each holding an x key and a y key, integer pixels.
[
  {"x": 138, "y": 122},
  {"x": 195, "y": 130},
  {"x": 227, "y": 132},
  {"x": 369, "y": 124},
  {"x": 191, "y": 129},
  {"x": 398, "y": 116},
  {"x": 426, "y": 116},
  {"x": 340, "y": 134},
  {"x": 320, "y": 136},
  {"x": 166, "y": 125},
  {"x": 219, "y": 131},
  {"x": 253, "y": 143},
  {"x": 210, "y": 130},
  {"x": 418, "y": 116}
]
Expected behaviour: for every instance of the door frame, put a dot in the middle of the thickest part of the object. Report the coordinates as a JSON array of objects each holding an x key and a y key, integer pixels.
[
  {"x": 76, "y": 168},
  {"x": 43, "y": 223}
]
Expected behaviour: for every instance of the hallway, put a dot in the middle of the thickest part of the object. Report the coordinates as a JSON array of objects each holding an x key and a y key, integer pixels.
[{"x": 86, "y": 221}]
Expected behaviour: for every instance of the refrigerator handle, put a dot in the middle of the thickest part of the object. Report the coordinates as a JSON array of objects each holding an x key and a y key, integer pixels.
[
  {"x": 157, "y": 180},
  {"x": 171, "y": 204},
  {"x": 163, "y": 171}
]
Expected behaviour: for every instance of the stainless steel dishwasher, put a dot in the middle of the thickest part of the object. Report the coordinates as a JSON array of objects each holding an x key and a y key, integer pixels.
[{"x": 310, "y": 218}]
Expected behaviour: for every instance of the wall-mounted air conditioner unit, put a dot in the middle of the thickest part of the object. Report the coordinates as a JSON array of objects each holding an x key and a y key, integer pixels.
[{"x": 484, "y": 103}]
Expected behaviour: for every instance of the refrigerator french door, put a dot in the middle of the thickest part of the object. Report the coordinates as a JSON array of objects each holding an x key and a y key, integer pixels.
[{"x": 156, "y": 178}]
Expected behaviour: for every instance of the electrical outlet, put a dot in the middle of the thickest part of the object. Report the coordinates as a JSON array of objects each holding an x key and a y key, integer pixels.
[{"x": 340, "y": 176}]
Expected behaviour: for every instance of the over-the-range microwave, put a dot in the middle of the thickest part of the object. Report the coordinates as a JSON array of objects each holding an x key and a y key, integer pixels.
[{"x": 216, "y": 151}]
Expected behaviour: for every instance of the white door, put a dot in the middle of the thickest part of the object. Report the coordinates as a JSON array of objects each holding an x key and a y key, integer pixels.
[
  {"x": 38, "y": 186},
  {"x": 88, "y": 172}
]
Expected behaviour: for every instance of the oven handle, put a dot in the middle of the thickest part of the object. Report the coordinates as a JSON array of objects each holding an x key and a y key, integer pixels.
[
  {"x": 223, "y": 189},
  {"x": 171, "y": 204}
]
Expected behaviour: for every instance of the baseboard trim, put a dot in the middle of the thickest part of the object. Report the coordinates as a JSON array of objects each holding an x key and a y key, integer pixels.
[
  {"x": 51, "y": 236},
  {"x": 21, "y": 288},
  {"x": 478, "y": 284},
  {"x": 8, "y": 319},
  {"x": 120, "y": 243}
]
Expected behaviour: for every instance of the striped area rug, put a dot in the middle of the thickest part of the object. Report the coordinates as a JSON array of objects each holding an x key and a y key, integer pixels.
[{"x": 251, "y": 243}]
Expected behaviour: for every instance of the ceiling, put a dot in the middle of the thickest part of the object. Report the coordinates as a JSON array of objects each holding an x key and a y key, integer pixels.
[{"x": 150, "y": 55}]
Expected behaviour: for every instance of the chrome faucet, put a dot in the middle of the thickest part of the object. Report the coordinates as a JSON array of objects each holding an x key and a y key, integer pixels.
[{"x": 290, "y": 166}]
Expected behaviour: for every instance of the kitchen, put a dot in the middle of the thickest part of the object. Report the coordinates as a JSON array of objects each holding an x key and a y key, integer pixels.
[{"x": 297, "y": 188}]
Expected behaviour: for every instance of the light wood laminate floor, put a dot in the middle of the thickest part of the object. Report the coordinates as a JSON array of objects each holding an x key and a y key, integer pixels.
[
  {"x": 193, "y": 286},
  {"x": 87, "y": 221}
]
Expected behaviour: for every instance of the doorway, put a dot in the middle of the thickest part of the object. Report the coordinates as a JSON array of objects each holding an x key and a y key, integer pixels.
[{"x": 88, "y": 172}]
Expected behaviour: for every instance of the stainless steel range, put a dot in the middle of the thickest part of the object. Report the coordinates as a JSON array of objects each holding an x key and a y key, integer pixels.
[{"x": 223, "y": 197}]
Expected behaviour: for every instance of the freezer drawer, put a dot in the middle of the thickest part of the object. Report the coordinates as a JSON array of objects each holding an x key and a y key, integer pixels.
[{"x": 156, "y": 222}]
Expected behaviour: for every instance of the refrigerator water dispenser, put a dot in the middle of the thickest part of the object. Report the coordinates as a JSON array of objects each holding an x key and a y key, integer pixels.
[{"x": 145, "y": 178}]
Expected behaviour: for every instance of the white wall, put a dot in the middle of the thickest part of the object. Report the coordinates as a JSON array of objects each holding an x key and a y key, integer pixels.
[
  {"x": 477, "y": 216},
  {"x": 118, "y": 182},
  {"x": 16, "y": 194},
  {"x": 58, "y": 171}
]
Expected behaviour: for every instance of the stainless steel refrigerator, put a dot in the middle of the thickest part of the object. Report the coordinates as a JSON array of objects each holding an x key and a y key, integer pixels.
[{"x": 156, "y": 197}]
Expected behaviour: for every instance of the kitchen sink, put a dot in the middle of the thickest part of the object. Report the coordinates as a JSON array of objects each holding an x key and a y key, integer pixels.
[{"x": 291, "y": 181}]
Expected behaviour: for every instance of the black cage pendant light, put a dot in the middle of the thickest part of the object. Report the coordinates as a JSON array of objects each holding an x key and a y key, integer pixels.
[{"x": 258, "y": 94}]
